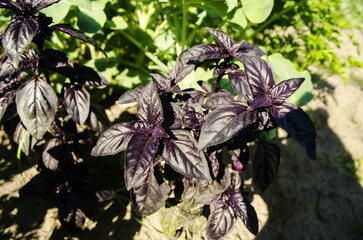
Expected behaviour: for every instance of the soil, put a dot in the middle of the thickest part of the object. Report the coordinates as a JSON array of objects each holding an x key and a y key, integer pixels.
[{"x": 319, "y": 199}]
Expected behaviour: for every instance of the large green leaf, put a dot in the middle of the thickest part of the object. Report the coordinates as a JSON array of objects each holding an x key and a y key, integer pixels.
[
  {"x": 284, "y": 69},
  {"x": 257, "y": 11},
  {"x": 90, "y": 14}
]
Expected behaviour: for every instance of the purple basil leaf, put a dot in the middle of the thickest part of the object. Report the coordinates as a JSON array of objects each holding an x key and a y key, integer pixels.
[
  {"x": 114, "y": 140},
  {"x": 52, "y": 153},
  {"x": 78, "y": 34},
  {"x": 131, "y": 95},
  {"x": 18, "y": 35},
  {"x": 149, "y": 196},
  {"x": 265, "y": 164},
  {"x": 161, "y": 83},
  {"x": 181, "y": 68},
  {"x": 240, "y": 206},
  {"x": 285, "y": 89},
  {"x": 53, "y": 59},
  {"x": 298, "y": 125},
  {"x": 150, "y": 110},
  {"x": 205, "y": 86},
  {"x": 73, "y": 220},
  {"x": 36, "y": 103},
  {"x": 222, "y": 38},
  {"x": 181, "y": 153},
  {"x": 140, "y": 154},
  {"x": 89, "y": 77},
  {"x": 173, "y": 115},
  {"x": 23, "y": 139},
  {"x": 89, "y": 190},
  {"x": 259, "y": 75},
  {"x": 6, "y": 68},
  {"x": 242, "y": 48},
  {"x": 6, "y": 100},
  {"x": 41, "y": 185},
  {"x": 239, "y": 83},
  {"x": 9, "y": 5},
  {"x": 98, "y": 120},
  {"x": 218, "y": 99},
  {"x": 220, "y": 221},
  {"x": 223, "y": 123},
  {"x": 202, "y": 52},
  {"x": 40, "y": 4},
  {"x": 76, "y": 100}
]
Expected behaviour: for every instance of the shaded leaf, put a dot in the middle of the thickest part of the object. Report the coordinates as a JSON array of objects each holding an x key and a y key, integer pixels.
[
  {"x": 53, "y": 59},
  {"x": 114, "y": 140},
  {"x": 149, "y": 196},
  {"x": 41, "y": 185},
  {"x": 218, "y": 99},
  {"x": 76, "y": 100},
  {"x": 242, "y": 48},
  {"x": 78, "y": 34},
  {"x": 239, "y": 83},
  {"x": 6, "y": 100},
  {"x": 265, "y": 164},
  {"x": 23, "y": 139},
  {"x": 6, "y": 68},
  {"x": 223, "y": 123},
  {"x": 89, "y": 77},
  {"x": 139, "y": 157},
  {"x": 53, "y": 152},
  {"x": 181, "y": 153},
  {"x": 98, "y": 120},
  {"x": 298, "y": 125},
  {"x": 18, "y": 35},
  {"x": 36, "y": 104}
]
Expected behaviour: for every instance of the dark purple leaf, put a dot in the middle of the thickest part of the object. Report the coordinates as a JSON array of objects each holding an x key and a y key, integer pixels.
[
  {"x": 76, "y": 100},
  {"x": 220, "y": 221},
  {"x": 9, "y": 5},
  {"x": 161, "y": 83},
  {"x": 223, "y": 123},
  {"x": 53, "y": 152},
  {"x": 73, "y": 221},
  {"x": 140, "y": 153},
  {"x": 6, "y": 68},
  {"x": 53, "y": 59},
  {"x": 89, "y": 77},
  {"x": 6, "y": 100},
  {"x": 241, "y": 208},
  {"x": 202, "y": 52},
  {"x": 149, "y": 196},
  {"x": 150, "y": 110},
  {"x": 114, "y": 140},
  {"x": 285, "y": 89},
  {"x": 298, "y": 125},
  {"x": 259, "y": 75},
  {"x": 41, "y": 185},
  {"x": 78, "y": 34},
  {"x": 40, "y": 4},
  {"x": 265, "y": 164},
  {"x": 36, "y": 104},
  {"x": 218, "y": 99},
  {"x": 239, "y": 83},
  {"x": 18, "y": 35},
  {"x": 131, "y": 95},
  {"x": 205, "y": 86},
  {"x": 181, "y": 153},
  {"x": 223, "y": 39},
  {"x": 242, "y": 48},
  {"x": 23, "y": 139},
  {"x": 88, "y": 189}
]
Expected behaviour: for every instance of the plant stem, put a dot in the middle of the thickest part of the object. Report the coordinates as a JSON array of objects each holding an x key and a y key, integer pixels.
[
  {"x": 184, "y": 25},
  {"x": 148, "y": 54}
]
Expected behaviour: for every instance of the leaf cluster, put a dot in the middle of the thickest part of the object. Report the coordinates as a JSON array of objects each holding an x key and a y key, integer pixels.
[{"x": 182, "y": 133}]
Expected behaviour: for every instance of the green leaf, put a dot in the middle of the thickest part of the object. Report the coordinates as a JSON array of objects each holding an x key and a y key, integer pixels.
[
  {"x": 117, "y": 23},
  {"x": 285, "y": 69},
  {"x": 231, "y": 4},
  {"x": 239, "y": 18},
  {"x": 257, "y": 11},
  {"x": 57, "y": 11}
]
